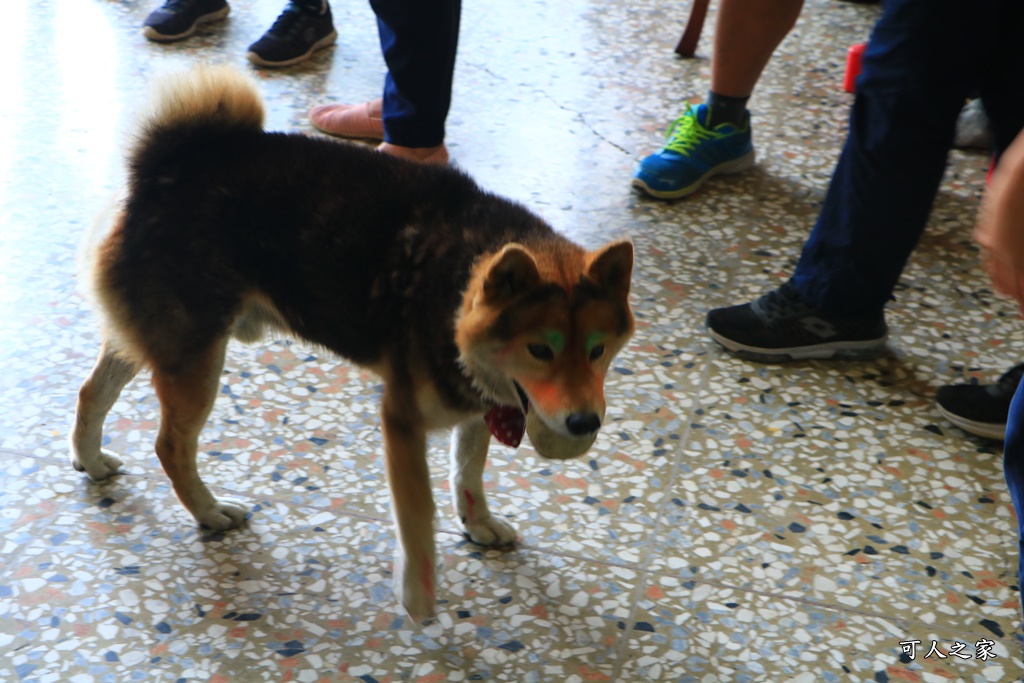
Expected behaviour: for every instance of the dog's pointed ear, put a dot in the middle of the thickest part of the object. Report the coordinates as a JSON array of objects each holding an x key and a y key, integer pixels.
[
  {"x": 511, "y": 272},
  {"x": 611, "y": 267}
]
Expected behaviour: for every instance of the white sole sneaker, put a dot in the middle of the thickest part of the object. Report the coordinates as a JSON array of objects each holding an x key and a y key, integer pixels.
[
  {"x": 726, "y": 168},
  {"x": 840, "y": 350},
  {"x": 157, "y": 37},
  {"x": 986, "y": 430},
  {"x": 326, "y": 41}
]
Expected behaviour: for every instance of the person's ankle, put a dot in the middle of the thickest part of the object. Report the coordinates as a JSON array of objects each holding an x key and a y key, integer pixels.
[
  {"x": 428, "y": 155},
  {"x": 726, "y": 109}
]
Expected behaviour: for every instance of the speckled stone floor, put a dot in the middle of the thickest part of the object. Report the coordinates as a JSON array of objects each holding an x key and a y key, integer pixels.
[{"x": 735, "y": 522}]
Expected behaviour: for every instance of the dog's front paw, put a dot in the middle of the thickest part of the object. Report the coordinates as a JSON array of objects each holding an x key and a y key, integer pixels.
[
  {"x": 222, "y": 515},
  {"x": 102, "y": 465},
  {"x": 491, "y": 532},
  {"x": 414, "y": 588}
]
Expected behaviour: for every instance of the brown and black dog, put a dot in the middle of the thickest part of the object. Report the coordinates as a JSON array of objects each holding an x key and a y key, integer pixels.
[{"x": 460, "y": 300}]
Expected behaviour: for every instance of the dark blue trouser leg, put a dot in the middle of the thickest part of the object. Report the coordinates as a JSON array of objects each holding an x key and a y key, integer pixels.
[
  {"x": 1002, "y": 79},
  {"x": 922, "y": 60},
  {"x": 318, "y": 5},
  {"x": 1013, "y": 468},
  {"x": 419, "y": 39}
]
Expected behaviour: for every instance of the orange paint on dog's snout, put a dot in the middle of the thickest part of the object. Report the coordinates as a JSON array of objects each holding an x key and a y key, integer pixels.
[{"x": 545, "y": 395}]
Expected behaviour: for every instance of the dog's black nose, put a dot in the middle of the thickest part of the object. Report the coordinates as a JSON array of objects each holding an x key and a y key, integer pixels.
[{"x": 582, "y": 424}]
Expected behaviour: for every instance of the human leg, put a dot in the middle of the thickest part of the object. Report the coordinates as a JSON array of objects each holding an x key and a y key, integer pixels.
[
  {"x": 419, "y": 42},
  {"x": 746, "y": 34},
  {"x": 1013, "y": 470},
  {"x": 909, "y": 94},
  {"x": 1001, "y": 94},
  {"x": 714, "y": 138},
  {"x": 901, "y": 126}
]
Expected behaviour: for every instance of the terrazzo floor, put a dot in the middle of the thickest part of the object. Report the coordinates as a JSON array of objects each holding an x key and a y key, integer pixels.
[{"x": 734, "y": 522}]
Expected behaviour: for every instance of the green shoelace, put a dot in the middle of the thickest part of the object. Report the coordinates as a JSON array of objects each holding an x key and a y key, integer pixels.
[{"x": 686, "y": 133}]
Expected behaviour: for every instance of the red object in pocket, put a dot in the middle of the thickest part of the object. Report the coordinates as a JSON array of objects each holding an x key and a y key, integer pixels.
[{"x": 853, "y": 56}]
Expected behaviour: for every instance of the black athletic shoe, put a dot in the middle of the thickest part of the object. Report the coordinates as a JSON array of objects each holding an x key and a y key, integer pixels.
[
  {"x": 780, "y": 327},
  {"x": 178, "y": 19},
  {"x": 295, "y": 36},
  {"x": 980, "y": 409}
]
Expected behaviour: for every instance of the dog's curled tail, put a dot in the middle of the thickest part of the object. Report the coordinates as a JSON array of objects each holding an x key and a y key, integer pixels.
[{"x": 201, "y": 95}]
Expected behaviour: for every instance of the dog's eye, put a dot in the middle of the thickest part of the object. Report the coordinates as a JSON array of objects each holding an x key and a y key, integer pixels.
[
  {"x": 597, "y": 352},
  {"x": 541, "y": 352}
]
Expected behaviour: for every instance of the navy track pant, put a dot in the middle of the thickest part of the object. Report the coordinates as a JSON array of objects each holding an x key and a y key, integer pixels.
[
  {"x": 419, "y": 39},
  {"x": 924, "y": 58}
]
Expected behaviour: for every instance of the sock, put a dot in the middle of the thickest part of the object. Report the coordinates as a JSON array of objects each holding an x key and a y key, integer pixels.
[{"x": 723, "y": 109}]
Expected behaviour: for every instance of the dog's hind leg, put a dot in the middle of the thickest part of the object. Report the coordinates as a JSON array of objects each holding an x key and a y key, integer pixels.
[
  {"x": 187, "y": 392},
  {"x": 470, "y": 441},
  {"x": 412, "y": 504},
  {"x": 96, "y": 397}
]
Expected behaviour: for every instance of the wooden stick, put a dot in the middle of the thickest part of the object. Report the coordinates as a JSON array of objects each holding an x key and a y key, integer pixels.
[{"x": 694, "y": 25}]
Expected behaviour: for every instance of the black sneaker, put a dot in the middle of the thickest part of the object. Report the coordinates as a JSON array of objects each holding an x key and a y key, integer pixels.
[
  {"x": 980, "y": 409},
  {"x": 295, "y": 36},
  {"x": 780, "y": 327},
  {"x": 178, "y": 19}
]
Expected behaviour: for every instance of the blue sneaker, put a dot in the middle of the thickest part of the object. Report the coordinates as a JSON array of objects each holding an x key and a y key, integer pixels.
[{"x": 694, "y": 153}]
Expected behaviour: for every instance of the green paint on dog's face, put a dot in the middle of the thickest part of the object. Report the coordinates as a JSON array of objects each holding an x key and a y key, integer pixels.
[
  {"x": 593, "y": 339},
  {"x": 556, "y": 340}
]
